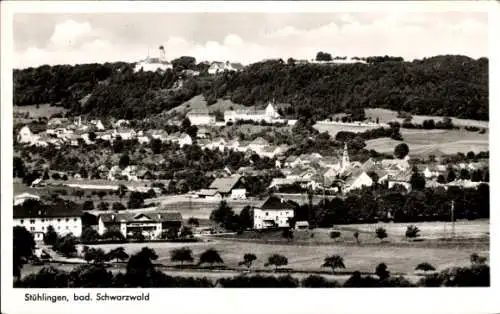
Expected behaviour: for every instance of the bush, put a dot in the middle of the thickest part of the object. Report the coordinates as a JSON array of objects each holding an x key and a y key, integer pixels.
[
  {"x": 335, "y": 234},
  {"x": 425, "y": 267},
  {"x": 314, "y": 281},
  {"x": 412, "y": 232},
  {"x": 381, "y": 233},
  {"x": 259, "y": 282}
]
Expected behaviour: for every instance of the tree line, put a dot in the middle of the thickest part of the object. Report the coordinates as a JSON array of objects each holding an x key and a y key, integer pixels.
[
  {"x": 422, "y": 87},
  {"x": 141, "y": 271}
]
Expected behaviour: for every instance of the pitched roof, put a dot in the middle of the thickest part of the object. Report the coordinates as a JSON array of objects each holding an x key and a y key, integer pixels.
[
  {"x": 260, "y": 141},
  {"x": 275, "y": 203},
  {"x": 207, "y": 192},
  {"x": 59, "y": 209},
  {"x": 225, "y": 185},
  {"x": 156, "y": 216},
  {"x": 403, "y": 176}
]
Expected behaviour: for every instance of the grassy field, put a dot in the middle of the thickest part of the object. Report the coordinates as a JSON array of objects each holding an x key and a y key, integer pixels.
[
  {"x": 430, "y": 230},
  {"x": 385, "y": 115},
  {"x": 334, "y": 129},
  {"x": 425, "y": 142},
  {"x": 400, "y": 259},
  {"x": 44, "y": 110}
]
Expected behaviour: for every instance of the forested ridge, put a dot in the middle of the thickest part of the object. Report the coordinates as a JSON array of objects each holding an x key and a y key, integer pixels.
[{"x": 455, "y": 86}]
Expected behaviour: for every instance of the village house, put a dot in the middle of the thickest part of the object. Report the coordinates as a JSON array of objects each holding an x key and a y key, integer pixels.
[
  {"x": 356, "y": 180},
  {"x": 161, "y": 135},
  {"x": 200, "y": 117},
  {"x": 202, "y": 133},
  {"x": 268, "y": 115},
  {"x": 273, "y": 213},
  {"x": 258, "y": 145},
  {"x": 98, "y": 125},
  {"x": 57, "y": 122},
  {"x": 229, "y": 187},
  {"x": 219, "y": 67},
  {"x": 64, "y": 219},
  {"x": 152, "y": 225},
  {"x": 403, "y": 179},
  {"x": 25, "y": 136},
  {"x": 209, "y": 194},
  {"x": 181, "y": 139}
]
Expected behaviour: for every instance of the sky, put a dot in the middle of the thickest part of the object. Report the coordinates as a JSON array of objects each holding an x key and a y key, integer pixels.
[{"x": 45, "y": 38}]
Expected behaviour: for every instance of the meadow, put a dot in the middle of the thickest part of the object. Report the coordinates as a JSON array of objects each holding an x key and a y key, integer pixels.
[
  {"x": 400, "y": 259},
  {"x": 35, "y": 112},
  {"x": 385, "y": 116},
  {"x": 423, "y": 142}
]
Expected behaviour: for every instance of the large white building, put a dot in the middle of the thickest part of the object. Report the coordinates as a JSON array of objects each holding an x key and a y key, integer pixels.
[
  {"x": 150, "y": 224},
  {"x": 273, "y": 213},
  {"x": 153, "y": 64},
  {"x": 268, "y": 115},
  {"x": 37, "y": 219}
]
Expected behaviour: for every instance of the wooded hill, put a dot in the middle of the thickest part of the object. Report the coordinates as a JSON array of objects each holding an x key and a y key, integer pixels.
[{"x": 455, "y": 86}]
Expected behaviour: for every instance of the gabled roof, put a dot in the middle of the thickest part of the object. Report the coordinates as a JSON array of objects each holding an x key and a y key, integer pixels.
[
  {"x": 403, "y": 176},
  {"x": 207, "y": 192},
  {"x": 59, "y": 209},
  {"x": 260, "y": 141},
  {"x": 225, "y": 185},
  {"x": 156, "y": 216},
  {"x": 275, "y": 203}
]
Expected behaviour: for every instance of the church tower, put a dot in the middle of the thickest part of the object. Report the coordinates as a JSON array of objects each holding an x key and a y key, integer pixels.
[{"x": 345, "y": 158}]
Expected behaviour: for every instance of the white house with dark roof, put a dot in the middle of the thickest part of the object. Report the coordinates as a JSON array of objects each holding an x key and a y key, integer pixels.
[
  {"x": 36, "y": 219},
  {"x": 274, "y": 212}
]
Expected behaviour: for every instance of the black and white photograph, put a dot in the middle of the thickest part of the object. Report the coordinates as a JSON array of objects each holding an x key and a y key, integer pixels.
[{"x": 224, "y": 148}]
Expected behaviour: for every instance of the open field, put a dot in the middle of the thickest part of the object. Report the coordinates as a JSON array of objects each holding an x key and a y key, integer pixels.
[
  {"x": 422, "y": 142},
  {"x": 386, "y": 115},
  {"x": 44, "y": 110},
  {"x": 310, "y": 257},
  {"x": 333, "y": 129},
  {"x": 430, "y": 230}
]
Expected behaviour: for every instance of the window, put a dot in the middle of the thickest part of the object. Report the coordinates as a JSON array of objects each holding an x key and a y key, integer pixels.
[
  {"x": 267, "y": 214},
  {"x": 59, "y": 227},
  {"x": 43, "y": 228},
  {"x": 67, "y": 227},
  {"x": 22, "y": 221},
  {"x": 74, "y": 219},
  {"x": 43, "y": 220},
  {"x": 32, "y": 221},
  {"x": 59, "y": 219},
  {"x": 67, "y": 219},
  {"x": 32, "y": 228}
]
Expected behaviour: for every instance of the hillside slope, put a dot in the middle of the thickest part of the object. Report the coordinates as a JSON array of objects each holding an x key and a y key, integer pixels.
[{"x": 455, "y": 86}]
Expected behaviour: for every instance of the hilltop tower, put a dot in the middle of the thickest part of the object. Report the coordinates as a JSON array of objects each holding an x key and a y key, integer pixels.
[
  {"x": 162, "y": 53},
  {"x": 345, "y": 158}
]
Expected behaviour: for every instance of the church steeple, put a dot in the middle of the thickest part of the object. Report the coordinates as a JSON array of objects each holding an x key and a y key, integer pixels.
[{"x": 345, "y": 158}]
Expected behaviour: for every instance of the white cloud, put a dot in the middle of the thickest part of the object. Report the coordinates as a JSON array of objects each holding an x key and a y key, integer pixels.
[
  {"x": 407, "y": 35},
  {"x": 66, "y": 34}
]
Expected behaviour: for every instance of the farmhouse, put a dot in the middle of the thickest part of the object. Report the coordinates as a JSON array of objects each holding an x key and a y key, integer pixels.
[
  {"x": 150, "y": 224},
  {"x": 209, "y": 194},
  {"x": 358, "y": 179},
  {"x": 402, "y": 179},
  {"x": 219, "y": 67},
  {"x": 273, "y": 213},
  {"x": 230, "y": 187},
  {"x": 36, "y": 219}
]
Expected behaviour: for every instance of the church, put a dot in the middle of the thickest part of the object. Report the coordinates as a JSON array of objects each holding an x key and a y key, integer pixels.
[{"x": 152, "y": 64}]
